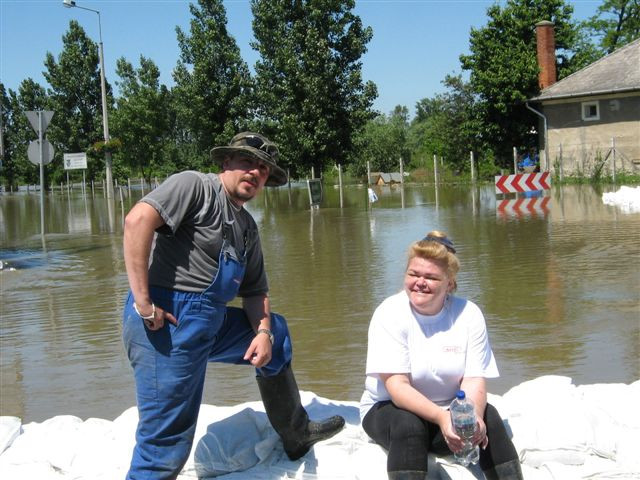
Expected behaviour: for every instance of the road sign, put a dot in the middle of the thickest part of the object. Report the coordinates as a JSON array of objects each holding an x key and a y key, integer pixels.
[
  {"x": 35, "y": 123},
  {"x": 34, "y": 152},
  {"x": 74, "y": 161},
  {"x": 523, "y": 182}
]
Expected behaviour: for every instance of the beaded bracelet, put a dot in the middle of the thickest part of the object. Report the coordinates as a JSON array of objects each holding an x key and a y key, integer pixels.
[{"x": 149, "y": 317}]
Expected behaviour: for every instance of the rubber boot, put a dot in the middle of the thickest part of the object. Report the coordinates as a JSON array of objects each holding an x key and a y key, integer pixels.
[
  {"x": 407, "y": 475},
  {"x": 505, "y": 471},
  {"x": 288, "y": 417}
]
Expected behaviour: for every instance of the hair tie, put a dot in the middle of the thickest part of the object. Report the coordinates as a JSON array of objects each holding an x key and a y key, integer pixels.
[{"x": 444, "y": 241}]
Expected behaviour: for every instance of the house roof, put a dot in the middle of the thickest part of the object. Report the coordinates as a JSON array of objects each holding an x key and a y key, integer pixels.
[
  {"x": 390, "y": 177},
  {"x": 617, "y": 72}
]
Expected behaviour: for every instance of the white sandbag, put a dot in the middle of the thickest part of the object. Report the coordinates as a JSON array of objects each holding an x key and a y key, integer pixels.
[
  {"x": 28, "y": 471},
  {"x": 454, "y": 471},
  {"x": 627, "y": 198},
  {"x": 46, "y": 443},
  {"x": 615, "y": 419},
  {"x": 369, "y": 462},
  {"x": 234, "y": 444},
  {"x": 614, "y": 399},
  {"x": 529, "y": 395},
  {"x": 548, "y": 421},
  {"x": 10, "y": 428},
  {"x": 94, "y": 437}
]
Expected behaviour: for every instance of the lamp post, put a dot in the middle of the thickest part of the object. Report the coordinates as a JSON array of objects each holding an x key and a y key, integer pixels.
[{"x": 105, "y": 117}]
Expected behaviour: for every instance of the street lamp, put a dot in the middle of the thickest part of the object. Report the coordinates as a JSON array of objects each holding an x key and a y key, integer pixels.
[{"x": 105, "y": 118}]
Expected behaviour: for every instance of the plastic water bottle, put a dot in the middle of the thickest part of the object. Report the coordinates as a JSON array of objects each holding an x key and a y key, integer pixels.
[{"x": 463, "y": 417}]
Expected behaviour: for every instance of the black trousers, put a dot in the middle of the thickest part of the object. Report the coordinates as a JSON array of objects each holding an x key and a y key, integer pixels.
[{"x": 408, "y": 438}]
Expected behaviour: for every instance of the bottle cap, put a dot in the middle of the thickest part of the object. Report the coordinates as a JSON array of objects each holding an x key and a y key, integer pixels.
[{"x": 460, "y": 395}]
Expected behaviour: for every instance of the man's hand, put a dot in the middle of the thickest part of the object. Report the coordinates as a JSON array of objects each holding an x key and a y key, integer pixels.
[
  {"x": 157, "y": 314},
  {"x": 259, "y": 352}
]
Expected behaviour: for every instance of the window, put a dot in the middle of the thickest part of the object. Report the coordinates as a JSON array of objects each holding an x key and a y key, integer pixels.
[{"x": 590, "y": 111}]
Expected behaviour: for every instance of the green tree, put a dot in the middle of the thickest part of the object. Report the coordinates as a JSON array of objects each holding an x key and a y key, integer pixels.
[
  {"x": 504, "y": 72},
  {"x": 381, "y": 143},
  {"x": 75, "y": 98},
  {"x": 213, "y": 83},
  {"x": 311, "y": 97},
  {"x": 18, "y": 133},
  {"x": 446, "y": 125},
  {"x": 8, "y": 173},
  {"x": 616, "y": 23},
  {"x": 142, "y": 118}
]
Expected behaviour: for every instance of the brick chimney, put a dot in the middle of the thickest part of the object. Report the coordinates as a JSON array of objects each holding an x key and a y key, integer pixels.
[{"x": 546, "y": 47}]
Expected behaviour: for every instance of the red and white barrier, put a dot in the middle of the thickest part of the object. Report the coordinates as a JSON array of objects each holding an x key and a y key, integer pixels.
[
  {"x": 523, "y": 182},
  {"x": 521, "y": 207}
]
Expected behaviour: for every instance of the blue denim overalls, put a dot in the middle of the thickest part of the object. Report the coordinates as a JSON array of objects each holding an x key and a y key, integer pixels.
[{"x": 170, "y": 364}]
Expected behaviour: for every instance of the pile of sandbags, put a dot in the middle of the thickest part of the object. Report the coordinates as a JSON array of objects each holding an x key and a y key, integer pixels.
[{"x": 559, "y": 429}]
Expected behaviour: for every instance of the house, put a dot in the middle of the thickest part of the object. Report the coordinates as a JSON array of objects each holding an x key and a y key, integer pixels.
[
  {"x": 380, "y": 178},
  {"x": 590, "y": 119}
]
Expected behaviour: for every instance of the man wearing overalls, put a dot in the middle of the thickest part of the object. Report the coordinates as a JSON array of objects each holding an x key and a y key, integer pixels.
[{"x": 190, "y": 247}]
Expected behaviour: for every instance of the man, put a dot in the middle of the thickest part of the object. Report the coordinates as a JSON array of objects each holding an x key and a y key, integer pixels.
[{"x": 206, "y": 252}]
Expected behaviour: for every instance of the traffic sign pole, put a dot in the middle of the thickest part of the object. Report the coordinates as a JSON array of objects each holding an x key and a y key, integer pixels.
[{"x": 40, "y": 139}]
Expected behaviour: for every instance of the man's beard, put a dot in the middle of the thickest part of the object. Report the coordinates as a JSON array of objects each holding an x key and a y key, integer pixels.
[{"x": 240, "y": 194}]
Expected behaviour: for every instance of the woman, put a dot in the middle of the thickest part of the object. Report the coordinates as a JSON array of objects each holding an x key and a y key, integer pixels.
[{"x": 424, "y": 345}]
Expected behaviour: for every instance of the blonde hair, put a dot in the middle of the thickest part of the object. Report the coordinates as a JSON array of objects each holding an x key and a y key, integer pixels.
[{"x": 437, "y": 246}]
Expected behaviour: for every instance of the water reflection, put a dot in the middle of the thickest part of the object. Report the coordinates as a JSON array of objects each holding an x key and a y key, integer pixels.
[{"x": 557, "y": 279}]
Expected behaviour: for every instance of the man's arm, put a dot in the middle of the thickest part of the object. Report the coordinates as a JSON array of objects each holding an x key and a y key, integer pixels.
[
  {"x": 139, "y": 227},
  {"x": 258, "y": 313}
]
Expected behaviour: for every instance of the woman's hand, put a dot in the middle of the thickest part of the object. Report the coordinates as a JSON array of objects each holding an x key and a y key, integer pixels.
[
  {"x": 454, "y": 442},
  {"x": 476, "y": 390},
  {"x": 480, "y": 436}
]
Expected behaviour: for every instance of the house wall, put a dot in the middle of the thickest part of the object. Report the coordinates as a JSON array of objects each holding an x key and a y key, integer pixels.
[{"x": 579, "y": 146}]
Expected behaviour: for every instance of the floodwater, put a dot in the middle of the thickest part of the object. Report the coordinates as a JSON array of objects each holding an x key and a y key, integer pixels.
[{"x": 557, "y": 277}]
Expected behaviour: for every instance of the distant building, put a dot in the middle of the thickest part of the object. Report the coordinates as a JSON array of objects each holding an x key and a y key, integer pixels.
[
  {"x": 590, "y": 110},
  {"x": 380, "y": 178}
]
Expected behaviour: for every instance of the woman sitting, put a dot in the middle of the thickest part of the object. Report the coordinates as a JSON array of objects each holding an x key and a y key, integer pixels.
[{"x": 424, "y": 345}]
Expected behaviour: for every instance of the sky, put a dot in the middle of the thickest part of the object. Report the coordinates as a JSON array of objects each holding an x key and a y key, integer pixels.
[{"x": 415, "y": 44}]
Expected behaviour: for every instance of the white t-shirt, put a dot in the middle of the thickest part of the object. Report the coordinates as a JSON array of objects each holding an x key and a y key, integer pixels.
[{"x": 437, "y": 351}]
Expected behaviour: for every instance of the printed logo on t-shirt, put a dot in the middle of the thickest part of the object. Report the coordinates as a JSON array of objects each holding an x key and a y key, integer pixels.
[{"x": 452, "y": 349}]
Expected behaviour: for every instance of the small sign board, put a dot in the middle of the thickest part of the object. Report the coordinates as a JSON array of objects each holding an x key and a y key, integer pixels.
[
  {"x": 315, "y": 191},
  {"x": 75, "y": 161}
]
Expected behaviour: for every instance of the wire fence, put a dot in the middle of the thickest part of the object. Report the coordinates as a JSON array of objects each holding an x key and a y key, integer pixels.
[{"x": 595, "y": 160}]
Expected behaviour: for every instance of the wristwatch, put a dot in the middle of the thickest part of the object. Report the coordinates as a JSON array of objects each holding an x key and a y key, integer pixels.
[{"x": 268, "y": 332}]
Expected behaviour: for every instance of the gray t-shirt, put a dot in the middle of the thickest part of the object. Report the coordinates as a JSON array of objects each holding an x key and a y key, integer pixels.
[{"x": 186, "y": 249}]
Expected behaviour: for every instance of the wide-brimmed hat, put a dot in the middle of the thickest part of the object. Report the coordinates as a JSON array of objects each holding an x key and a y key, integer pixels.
[{"x": 256, "y": 146}]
